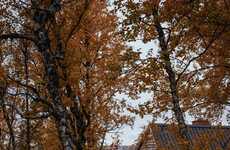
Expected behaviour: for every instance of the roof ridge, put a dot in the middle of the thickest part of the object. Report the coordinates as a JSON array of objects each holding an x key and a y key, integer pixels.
[{"x": 200, "y": 126}]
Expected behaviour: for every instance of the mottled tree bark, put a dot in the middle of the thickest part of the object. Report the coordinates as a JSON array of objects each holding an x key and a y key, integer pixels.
[{"x": 60, "y": 114}]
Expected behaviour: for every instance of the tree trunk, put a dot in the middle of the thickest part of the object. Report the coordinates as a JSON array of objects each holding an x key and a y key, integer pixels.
[
  {"x": 165, "y": 57},
  {"x": 3, "y": 88},
  {"x": 28, "y": 136},
  {"x": 60, "y": 114}
]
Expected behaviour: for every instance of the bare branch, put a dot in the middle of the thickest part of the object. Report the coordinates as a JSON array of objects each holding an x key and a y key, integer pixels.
[
  {"x": 17, "y": 36},
  {"x": 46, "y": 115},
  {"x": 38, "y": 98}
]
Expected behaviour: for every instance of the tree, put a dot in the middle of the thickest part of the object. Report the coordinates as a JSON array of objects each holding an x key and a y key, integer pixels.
[
  {"x": 187, "y": 35},
  {"x": 63, "y": 59}
]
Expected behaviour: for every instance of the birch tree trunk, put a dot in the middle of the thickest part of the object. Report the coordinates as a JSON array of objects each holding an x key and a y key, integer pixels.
[{"x": 41, "y": 18}]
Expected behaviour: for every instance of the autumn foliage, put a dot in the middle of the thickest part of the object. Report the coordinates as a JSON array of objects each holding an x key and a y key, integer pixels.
[{"x": 63, "y": 63}]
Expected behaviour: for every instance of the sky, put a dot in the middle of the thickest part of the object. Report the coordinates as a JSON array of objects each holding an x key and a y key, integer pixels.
[{"x": 128, "y": 135}]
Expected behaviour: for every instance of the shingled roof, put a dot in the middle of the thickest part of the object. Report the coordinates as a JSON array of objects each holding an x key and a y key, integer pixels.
[{"x": 203, "y": 137}]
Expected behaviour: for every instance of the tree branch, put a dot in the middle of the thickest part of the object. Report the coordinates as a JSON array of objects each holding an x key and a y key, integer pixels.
[
  {"x": 207, "y": 46},
  {"x": 17, "y": 36},
  {"x": 38, "y": 98},
  {"x": 46, "y": 115}
]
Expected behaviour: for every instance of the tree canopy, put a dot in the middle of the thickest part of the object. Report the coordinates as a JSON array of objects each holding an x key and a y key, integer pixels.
[{"x": 62, "y": 63}]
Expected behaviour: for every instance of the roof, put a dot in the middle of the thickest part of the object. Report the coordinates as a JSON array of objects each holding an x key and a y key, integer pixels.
[{"x": 202, "y": 136}]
